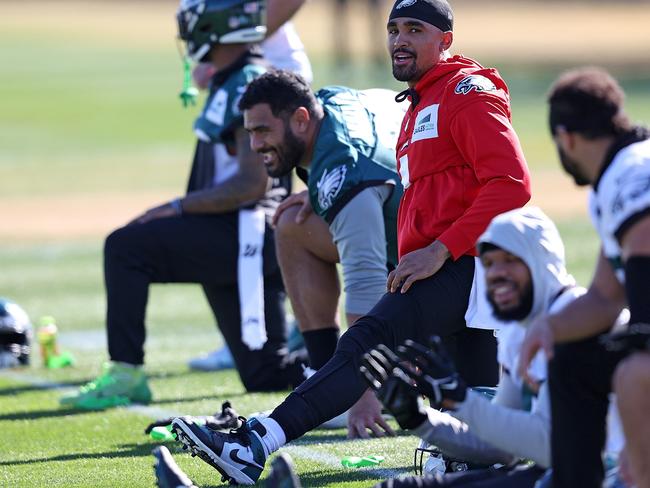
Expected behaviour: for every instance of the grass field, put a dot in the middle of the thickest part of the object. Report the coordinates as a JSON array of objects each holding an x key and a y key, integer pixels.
[{"x": 91, "y": 132}]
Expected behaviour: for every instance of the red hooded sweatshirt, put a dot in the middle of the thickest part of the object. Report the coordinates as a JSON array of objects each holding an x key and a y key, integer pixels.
[{"x": 459, "y": 158}]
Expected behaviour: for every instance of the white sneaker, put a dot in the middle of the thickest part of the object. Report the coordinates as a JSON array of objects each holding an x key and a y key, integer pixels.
[{"x": 213, "y": 361}]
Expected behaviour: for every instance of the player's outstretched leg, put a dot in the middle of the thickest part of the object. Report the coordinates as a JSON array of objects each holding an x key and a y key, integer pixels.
[
  {"x": 282, "y": 473},
  {"x": 239, "y": 456},
  {"x": 168, "y": 474}
]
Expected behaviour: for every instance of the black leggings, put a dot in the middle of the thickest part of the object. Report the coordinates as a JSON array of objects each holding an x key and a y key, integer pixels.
[
  {"x": 202, "y": 250},
  {"x": 436, "y": 305}
]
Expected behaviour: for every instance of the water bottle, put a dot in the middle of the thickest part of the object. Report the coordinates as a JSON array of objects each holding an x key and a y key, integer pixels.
[{"x": 47, "y": 335}]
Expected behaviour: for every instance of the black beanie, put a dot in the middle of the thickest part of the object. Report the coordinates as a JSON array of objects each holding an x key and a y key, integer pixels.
[{"x": 435, "y": 12}]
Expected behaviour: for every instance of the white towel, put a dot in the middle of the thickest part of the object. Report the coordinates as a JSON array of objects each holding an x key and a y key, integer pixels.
[
  {"x": 250, "y": 276},
  {"x": 479, "y": 311}
]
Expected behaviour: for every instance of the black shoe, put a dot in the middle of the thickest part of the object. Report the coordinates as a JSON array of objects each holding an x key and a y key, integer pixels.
[
  {"x": 239, "y": 455},
  {"x": 224, "y": 421},
  {"x": 168, "y": 474},
  {"x": 283, "y": 474}
]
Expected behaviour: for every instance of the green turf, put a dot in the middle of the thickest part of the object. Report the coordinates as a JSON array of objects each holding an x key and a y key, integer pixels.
[{"x": 92, "y": 117}]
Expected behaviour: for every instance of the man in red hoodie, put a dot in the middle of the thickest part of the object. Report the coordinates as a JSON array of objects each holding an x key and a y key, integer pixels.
[{"x": 461, "y": 165}]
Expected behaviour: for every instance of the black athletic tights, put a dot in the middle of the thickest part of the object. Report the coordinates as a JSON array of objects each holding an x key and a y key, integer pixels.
[
  {"x": 436, "y": 305},
  {"x": 201, "y": 249}
]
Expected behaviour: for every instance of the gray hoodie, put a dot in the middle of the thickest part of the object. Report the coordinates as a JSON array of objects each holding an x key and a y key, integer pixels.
[{"x": 501, "y": 430}]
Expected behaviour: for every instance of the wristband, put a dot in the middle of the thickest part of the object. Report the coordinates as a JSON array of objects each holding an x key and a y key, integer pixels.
[{"x": 176, "y": 205}]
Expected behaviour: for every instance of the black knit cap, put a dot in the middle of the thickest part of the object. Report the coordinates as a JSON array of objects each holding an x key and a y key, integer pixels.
[{"x": 435, "y": 12}]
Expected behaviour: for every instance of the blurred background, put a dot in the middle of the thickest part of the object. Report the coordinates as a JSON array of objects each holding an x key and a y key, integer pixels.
[{"x": 92, "y": 131}]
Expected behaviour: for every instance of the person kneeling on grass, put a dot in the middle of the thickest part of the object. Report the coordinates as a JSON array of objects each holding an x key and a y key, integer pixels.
[
  {"x": 217, "y": 235},
  {"x": 523, "y": 257}
]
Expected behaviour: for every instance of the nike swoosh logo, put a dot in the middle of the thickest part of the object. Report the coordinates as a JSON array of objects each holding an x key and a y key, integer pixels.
[{"x": 235, "y": 457}]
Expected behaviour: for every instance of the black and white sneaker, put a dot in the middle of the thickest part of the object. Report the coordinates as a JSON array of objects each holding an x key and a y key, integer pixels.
[
  {"x": 283, "y": 474},
  {"x": 168, "y": 474},
  {"x": 239, "y": 456}
]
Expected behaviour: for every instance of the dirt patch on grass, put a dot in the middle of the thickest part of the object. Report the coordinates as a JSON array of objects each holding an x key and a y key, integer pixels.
[{"x": 71, "y": 217}]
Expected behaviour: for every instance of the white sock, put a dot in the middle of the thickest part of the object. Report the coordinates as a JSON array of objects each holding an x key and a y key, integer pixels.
[{"x": 275, "y": 437}]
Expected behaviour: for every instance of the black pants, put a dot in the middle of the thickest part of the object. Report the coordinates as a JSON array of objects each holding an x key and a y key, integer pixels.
[
  {"x": 436, "y": 305},
  {"x": 203, "y": 250},
  {"x": 580, "y": 377},
  {"x": 518, "y": 477}
]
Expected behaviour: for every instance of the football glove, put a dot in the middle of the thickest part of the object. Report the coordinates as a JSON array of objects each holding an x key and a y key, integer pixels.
[
  {"x": 381, "y": 371},
  {"x": 635, "y": 338},
  {"x": 432, "y": 371}
]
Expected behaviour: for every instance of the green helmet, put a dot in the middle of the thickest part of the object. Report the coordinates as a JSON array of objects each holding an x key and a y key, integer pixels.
[{"x": 204, "y": 23}]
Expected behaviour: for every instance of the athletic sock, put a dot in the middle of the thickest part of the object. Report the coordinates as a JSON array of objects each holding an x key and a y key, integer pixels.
[
  {"x": 275, "y": 437},
  {"x": 321, "y": 345}
]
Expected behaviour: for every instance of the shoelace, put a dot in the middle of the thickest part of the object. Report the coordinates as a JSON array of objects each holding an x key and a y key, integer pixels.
[{"x": 242, "y": 433}]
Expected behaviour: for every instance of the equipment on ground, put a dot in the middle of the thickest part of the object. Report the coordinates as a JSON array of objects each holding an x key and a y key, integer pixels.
[{"x": 15, "y": 335}]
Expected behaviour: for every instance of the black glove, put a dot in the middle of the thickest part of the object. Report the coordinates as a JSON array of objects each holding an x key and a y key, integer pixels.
[
  {"x": 432, "y": 371},
  {"x": 221, "y": 421},
  {"x": 635, "y": 338},
  {"x": 394, "y": 391}
]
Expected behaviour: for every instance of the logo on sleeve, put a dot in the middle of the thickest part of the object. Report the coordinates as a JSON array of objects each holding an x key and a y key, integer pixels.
[
  {"x": 630, "y": 189},
  {"x": 474, "y": 82},
  {"x": 329, "y": 186},
  {"x": 426, "y": 123}
]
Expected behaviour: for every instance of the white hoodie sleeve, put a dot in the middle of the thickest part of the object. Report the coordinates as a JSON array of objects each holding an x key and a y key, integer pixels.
[{"x": 523, "y": 434}]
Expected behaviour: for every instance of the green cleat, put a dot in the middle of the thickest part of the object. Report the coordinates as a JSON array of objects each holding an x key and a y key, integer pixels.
[{"x": 118, "y": 385}]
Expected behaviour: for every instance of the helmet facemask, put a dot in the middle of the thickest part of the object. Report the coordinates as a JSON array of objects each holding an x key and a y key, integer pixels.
[{"x": 203, "y": 24}]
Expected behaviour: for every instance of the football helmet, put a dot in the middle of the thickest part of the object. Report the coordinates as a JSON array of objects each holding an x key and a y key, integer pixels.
[
  {"x": 205, "y": 23},
  {"x": 428, "y": 460},
  {"x": 15, "y": 335}
]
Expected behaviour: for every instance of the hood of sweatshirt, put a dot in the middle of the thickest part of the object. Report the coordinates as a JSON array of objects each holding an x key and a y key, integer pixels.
[{"x": 531, "y": 236}]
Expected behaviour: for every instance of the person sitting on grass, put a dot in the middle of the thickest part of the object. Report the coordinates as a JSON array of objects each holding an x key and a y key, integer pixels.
[{"x": 523, "y": 257}]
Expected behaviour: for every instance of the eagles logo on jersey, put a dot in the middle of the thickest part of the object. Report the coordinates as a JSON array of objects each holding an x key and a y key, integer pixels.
[
  {"x": 474, "y": 82},
  {"x": 630, "y": 189},
  {"x": 330, "y": 185}
]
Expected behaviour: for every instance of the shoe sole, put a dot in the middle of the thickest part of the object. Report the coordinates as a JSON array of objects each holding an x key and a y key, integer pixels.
[
  {"x": 189, "y": 440},
  {"x": 165, "y": 464}
]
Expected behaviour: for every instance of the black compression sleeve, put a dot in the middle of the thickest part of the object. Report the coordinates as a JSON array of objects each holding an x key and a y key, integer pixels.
[{"x": 637, "y": 288}]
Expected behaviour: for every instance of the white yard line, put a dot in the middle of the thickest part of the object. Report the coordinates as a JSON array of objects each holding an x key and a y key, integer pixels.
[
  {"x": 155, "y": 412},
  {"x": 335, "y": 462}
]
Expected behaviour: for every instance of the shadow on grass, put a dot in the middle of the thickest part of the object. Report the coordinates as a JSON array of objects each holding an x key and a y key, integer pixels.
[
  {"x": 219, "y": 398},
  {"x": 53, "y": 384},
  {"x": 17, "y": 390},
  {"x": 122, "y": 451},
  {"x": 44, "y": 414}
]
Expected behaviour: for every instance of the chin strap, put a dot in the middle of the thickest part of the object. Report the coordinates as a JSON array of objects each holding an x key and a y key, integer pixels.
[{"x": 189, "y": 93}]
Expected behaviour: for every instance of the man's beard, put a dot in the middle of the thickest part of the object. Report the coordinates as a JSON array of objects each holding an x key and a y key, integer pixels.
[
  {"x": 571, "y": 167},
  {"x": 405, "y": 73},
  {"x": 289, "y": 155},
  {"x": 520, "y": 312}
]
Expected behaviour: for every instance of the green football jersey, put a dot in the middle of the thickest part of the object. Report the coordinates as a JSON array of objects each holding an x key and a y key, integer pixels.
[
  {"x": 354, "y": 150},
  {"x": 221, "y": 114}
]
